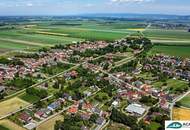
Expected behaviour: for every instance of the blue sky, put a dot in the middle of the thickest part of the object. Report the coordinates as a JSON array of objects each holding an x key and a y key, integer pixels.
[{"x": 67, "y": 7}]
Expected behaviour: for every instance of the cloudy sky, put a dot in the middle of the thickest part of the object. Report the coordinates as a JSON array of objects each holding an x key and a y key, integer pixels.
[{"x": 67, "y": 7}]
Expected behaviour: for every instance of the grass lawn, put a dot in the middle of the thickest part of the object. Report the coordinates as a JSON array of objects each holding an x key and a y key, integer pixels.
[
  {"x": 49, "y": 125},
  {"x": 3, "y": 128},
  {"x": 146, "y": 76},
  {"x": 154, "y": 126},
  {"x": 180, "y": 51},
  {"x": 157, "y": 84},
  {"x": 10, "y": 125},
  {"x": 181, "y": 114},
  {"x": 116, "y": 126},
  {"x": 29, "y": 98},
  {"x": 185, "y": 101},
  {"x": 11, "y": 105},
  {"x": 176, "y": 85}
]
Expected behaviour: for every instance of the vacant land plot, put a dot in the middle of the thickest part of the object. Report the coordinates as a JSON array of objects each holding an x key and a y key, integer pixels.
[
  {"x": 176, "y": 86},
  {"x": 181, "y": 51},
  {"x": 49, "y": 125},
  {"x": 29, "y": 98},
  {"x": 181, "y": 114},
  {"x": 11, "y": 105},
  {"x": 185, "y": 101},
  {"x": 3, "y": 128},
  {"x": 10, "y": 125},
  {"x": 154, "y": 126},
  {"x": 116, "y": 126}
]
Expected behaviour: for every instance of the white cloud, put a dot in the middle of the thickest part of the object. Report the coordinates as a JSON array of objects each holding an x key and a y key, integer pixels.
[{"x": 29, "y": 4}]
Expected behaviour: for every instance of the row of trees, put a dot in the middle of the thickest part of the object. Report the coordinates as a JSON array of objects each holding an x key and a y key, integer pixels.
[
  {"x": 37, "y": 92},
  {"x": 15, "y": 61},
  {"x": 120, "y": 117}
]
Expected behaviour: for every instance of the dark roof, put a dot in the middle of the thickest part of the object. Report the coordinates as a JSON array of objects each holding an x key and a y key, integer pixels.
[{"x": 100, "y": 120}]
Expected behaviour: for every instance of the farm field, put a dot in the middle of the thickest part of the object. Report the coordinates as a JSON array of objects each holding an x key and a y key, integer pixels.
[
  {"x": 185, "y": 102},
  {"x": 29, "y": 35},
  {"x": 179, "y": 51},
  {"x": 10, "y": 125},
  {"x": 48, "y": 33},
  {"x": 49, "y": 125},
  {"x": 15, "y": 104},
  {"x": 89, "y": 34},
  {"x": 181, "y": 114},
  {"x": 167, "y": 34}
]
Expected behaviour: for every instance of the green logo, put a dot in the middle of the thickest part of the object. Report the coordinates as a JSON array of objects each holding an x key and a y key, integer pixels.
[{"x": 175, "y": 125}]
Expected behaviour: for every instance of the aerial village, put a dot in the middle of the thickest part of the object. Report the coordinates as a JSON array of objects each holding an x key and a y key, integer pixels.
[{"x": 93, "y": 84}]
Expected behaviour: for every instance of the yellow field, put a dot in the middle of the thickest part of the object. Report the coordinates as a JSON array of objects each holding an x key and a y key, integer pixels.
[
  {"x": 181, "y": 114},
  {"x": 136, "y": 29},
  {"x": 11, "y": 105},
  {"x": 49, "y": 125},
  {"x": 51, "y": 33},
  {"x": 10, "y": 125}
]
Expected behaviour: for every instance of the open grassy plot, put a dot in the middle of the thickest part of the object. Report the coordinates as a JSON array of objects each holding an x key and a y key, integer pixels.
[
  {"x": 3, "y": 128},
  {"x": 176, "y": 86},
  {"x": 116, "y": 126},
  {"x": 9, "y": 125},
  {"x": 181, "y": 51},
  {"x": 29, "y": 98},
  {"x": 11, "y": 105},
  {"x": 181, "y": 114},
  {"x": 185, "y": 101},
  {"x": 154, "y": 126},
  {"x": 49, "y": 125}
]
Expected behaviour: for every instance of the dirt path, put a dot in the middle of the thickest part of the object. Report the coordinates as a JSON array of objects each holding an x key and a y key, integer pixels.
[{"x": 24, "y": 42}]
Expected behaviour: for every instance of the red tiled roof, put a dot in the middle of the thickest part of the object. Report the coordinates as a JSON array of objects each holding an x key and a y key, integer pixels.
[
  {"x": 24, "y": 116},
  {"x": 73, "y": 110}
]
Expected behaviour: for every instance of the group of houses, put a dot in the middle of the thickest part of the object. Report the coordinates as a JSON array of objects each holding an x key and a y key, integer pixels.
[
  {"x": 171, "y": 66},
  {"x": 30, "y": 116}
]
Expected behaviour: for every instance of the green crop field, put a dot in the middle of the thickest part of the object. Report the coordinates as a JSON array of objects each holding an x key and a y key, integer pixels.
[
  {"x": 185, "y": 101},
  {"x": 180, "y": 51},
  {"x": 167, "y": 34},
  {"x": 90, "y": 34},
  {"x": 48, "y": 33}
]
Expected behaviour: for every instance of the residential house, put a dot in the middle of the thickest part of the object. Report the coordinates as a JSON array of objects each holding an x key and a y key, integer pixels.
[
  {"x": 100, "y": 121},
  {"x": 25, "y": 118}
]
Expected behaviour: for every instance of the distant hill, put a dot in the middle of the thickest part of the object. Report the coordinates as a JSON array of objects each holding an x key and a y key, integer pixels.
[{"x": 139, "y": 16}]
